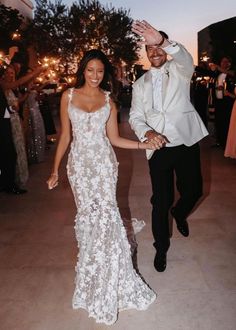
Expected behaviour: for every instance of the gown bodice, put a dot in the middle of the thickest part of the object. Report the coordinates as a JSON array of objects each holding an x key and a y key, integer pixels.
[{"x": 89, "y": 128}]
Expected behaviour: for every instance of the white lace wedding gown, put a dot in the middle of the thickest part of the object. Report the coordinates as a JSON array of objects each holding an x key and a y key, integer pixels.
[{"x": 106, "y": 281}]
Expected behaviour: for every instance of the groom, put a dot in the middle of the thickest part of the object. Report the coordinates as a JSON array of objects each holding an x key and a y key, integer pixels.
[{"x": 161, "y": 113}]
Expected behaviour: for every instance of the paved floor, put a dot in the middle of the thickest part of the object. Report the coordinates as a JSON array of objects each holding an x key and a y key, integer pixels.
[{"x": 38, "y": 252}]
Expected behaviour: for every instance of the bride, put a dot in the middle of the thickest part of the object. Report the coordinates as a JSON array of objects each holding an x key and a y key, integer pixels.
[{"x": 106, "y": 282}]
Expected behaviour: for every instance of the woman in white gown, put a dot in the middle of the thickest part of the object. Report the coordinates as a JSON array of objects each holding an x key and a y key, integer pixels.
[{"x": 106, "y": 281}]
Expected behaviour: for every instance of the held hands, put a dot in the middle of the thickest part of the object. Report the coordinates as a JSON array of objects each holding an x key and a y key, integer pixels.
[
  {"x": 156, "y": 140},
  {"x": 150, "y": 35},
  {"x": 52, "y": 182}
]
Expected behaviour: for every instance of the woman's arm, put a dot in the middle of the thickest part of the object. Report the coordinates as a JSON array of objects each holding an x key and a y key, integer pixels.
[
  {"x": 63, "y": 143},
  {"x": 23, "y": 97},
  {"x": 115, "y": 138},
  {"x": 22, "y": 80}
]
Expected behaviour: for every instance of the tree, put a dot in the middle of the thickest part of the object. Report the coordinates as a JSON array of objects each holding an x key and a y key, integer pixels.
[
  {"x": 68, "y": 33},
  {"x": 10, "y": 22},
  {"x": 47, "y": 30}
]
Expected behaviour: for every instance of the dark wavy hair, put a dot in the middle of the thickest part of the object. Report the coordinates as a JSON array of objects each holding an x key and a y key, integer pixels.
[{"x": 108, "y": 83}]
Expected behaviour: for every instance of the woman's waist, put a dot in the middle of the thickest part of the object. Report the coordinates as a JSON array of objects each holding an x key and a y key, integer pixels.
[
  {"x": 95, "y": 152},
  {"x": 89, "y": 137}
]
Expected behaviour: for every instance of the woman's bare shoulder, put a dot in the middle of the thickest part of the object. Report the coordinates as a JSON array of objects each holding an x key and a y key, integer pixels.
[
  {"x": 112, "y": 104},
  {"x": 68, "y": 92},
  {"x": 65, "y": 95}
]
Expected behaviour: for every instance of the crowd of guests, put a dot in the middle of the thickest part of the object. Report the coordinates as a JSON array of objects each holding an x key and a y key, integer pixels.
[
  {"x": 213, "y": 95},
  {"x": 26, "y": 119},
  {"x": 25, "y": 123}
]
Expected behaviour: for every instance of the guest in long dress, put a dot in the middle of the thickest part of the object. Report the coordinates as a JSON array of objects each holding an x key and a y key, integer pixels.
[
  {"x": 37, "y": 139},
  {"x": 22, "y": 173},
  {"x": 230, "y": 149},
  {"x": 8, "y": 83}
]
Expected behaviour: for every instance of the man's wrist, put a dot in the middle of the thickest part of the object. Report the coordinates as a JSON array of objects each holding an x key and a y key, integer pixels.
[
  {"x": 161, "y": 42},
  {"x": 148, "y": 132}
]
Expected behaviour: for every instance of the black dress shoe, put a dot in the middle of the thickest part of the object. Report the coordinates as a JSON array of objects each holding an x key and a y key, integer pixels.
[
  {"x": 182, "y": 224},
  {"x": 16, "y": 191},
  {"x": 160, "y": 262}
]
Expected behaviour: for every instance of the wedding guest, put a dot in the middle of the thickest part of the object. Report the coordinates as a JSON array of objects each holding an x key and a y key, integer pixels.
[
  {"x": 7, "y": 149},
  {"x": 37, "y": 137},
  {"x": 22, "y": 173},
  {"x": 44, "y": 106},
  {"x": 8, "y": 83},
  {"x": 230, "y": 149},
  {"x": 162, "y": 114},
  {"x": 200, "y": 91},
  {"x": 224, "y": 91}
]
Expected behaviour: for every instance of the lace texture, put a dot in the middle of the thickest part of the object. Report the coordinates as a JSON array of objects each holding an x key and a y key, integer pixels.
[
  {"x": 37, "y": 138},
  {"x": 105, "y": 279},
  {"x": 22, "y": 172}
]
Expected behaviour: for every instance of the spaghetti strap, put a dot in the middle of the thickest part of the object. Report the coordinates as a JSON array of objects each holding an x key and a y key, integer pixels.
[
  {"x": 107, "y": 97},
  {"x": 70, "y": 94}
]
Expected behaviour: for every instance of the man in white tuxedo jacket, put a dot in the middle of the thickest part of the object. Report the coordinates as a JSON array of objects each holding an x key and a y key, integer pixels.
[{"x": 161, "y": 113}]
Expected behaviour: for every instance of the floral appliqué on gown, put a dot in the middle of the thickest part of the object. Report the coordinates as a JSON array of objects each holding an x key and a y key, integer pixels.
[{"x": 105, "y": 282}]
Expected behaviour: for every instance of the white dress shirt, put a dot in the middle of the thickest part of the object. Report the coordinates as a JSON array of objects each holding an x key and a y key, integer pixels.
[
  {"x": 220, "y": 82},
  {"x": 169, "y": 130}
]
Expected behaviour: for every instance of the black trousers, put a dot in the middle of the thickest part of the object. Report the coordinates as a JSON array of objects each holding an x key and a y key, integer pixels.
[
  {"x": 7, "y": 155},
  {"x": 167, "y": 163}
]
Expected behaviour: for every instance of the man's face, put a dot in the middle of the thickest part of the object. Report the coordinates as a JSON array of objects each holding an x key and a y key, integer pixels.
[
  {"x": 225, "y": 63},
  {"x": 156, "y": 55}
]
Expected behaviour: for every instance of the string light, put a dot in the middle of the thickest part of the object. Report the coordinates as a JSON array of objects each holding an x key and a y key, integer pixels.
[
  {"x": 4, "y": 60},
  {"x": 16, "y": 35},
  {"x": 204, "y": 58}
]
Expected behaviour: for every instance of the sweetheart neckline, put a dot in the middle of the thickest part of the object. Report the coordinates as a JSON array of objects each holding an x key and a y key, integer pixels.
[{"x": 87, "y": 112}]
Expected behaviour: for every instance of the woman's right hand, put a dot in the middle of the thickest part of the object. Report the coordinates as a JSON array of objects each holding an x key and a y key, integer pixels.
[
  {"x": 155, "y": 140},
  {"x": 153, "y": 146},
  {"x": 52, "y": 182}
]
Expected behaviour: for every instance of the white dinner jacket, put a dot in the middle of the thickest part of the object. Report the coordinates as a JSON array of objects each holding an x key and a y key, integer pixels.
[{"x": 175, "y": 98}]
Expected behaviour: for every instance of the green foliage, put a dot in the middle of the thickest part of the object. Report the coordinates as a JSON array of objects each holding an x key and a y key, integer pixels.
[{"x": 48, "y": 29}]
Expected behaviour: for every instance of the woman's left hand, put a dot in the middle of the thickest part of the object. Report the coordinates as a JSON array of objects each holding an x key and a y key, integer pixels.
[{"x": 52, "y": 181}]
